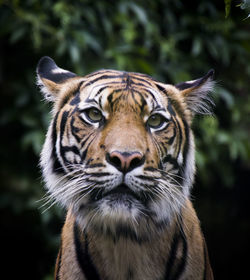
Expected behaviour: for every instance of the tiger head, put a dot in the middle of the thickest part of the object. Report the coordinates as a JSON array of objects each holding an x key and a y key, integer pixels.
[{"x": 119, "y": 152}]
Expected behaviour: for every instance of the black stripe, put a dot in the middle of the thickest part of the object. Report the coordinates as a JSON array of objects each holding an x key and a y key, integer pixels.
[
  {"x": 99, "y": 174},
  {"x": 94, "y": 165},
  {"x": 164, "y": 147},
  {"x": 103, "y": 77},
  {"x": 134, "y": 98},
  {"x": 142, "y": 100},
  {"x": 75, "y": 130},
  {"x": 183, "y": 260},
  {"x": 186, "y": 147},
  {"x": 170, "y": 108},
  {"x": 143, "y": 103},
  {"x": 112, "y": 84},
  {"x": 57, "y": 167},
  {"x": 84, "y": 259},
  {"x": 63, "y": 124},
  {"x": 76, "y": 99},
  {"x": 173, "y": 272},
  {"x": 102, "y": 71},
  {"x": 100, "y": 91},
  {"x": 130, "y": 274},
  {"x": 180, "y": 136},
  {"x": 84, "y": 153},
  {"x": 62, "y": 129},
  {"x": 74, "y": 149},
  {"x": 171, "y": 160},
  {"x": 172, "y": 257},
  {"x": 126, "y": 80},
  {"x": 145, "y": 178},
  {"x": 142, "y": 80},
  {"x": 110, "y": 98},
  {"x": 135, "y": 75},
  {"x": 171, "y": 139},
  {"x": 144, "y": 90},
  {"x": 84, "y": 139},
  {"x": 160, "y": 88}
]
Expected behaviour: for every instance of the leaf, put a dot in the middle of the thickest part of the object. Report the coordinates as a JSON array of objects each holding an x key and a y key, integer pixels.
[
  {"x": 18, "y": 34},
  {"x": 140, "y": 13},
  {"x": 227, "y": 7},
  {"x": 74, "y": 52},
  {"x": 245, "y": 4},
  {"x": 226, "y": 96},
  {"x": 197, "y": 46},
  {"x": 33, "y": 139}
]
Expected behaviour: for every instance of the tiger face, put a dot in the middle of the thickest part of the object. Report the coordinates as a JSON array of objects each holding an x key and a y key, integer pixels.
[{"x": 119, "y": 152}]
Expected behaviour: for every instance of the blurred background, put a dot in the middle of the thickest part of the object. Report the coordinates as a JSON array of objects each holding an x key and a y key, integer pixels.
[{"x": 171, "y": 40}]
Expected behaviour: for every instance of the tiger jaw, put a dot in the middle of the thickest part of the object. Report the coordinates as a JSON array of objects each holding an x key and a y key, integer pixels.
[
  {"x": 119, "y": 193},
  {"x": 116, "y": 200},
  {"x": 133, "y": 204},
  {"x": 120, "y": 204}
]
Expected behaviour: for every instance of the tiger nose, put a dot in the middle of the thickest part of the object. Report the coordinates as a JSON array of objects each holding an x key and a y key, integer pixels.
[{"x": 124, "y": 161}]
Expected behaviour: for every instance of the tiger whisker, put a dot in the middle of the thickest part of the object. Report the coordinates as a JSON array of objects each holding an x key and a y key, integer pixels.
[{"x": 67, "y": 190}]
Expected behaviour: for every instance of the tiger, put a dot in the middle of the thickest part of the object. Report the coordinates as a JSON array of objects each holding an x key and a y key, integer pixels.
[{"x": 119, "y": 156}]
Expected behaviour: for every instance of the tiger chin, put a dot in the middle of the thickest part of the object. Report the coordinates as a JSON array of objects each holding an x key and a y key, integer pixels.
[{"x": 119, "y": 157}]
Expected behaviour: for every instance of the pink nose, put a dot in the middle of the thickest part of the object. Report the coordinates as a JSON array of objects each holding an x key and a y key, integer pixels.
[{"x": 125, "y": 161}]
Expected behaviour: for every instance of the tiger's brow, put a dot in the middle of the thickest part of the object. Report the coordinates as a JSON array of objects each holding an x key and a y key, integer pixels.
[{"x": 91, "y": 100}]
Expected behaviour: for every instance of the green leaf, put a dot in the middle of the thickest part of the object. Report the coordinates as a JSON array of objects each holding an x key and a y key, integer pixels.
[
  {"x": 226, "y": 95},
  {"x": 18, "y": 34},
  {"x": 197, "y": 46},
  {"x": 227, "y": 7},
  {"x": 74, "y": 52}
]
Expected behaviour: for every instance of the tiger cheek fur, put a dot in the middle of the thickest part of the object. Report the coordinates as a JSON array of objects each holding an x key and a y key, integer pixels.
[{"x": 119, "y": 156}]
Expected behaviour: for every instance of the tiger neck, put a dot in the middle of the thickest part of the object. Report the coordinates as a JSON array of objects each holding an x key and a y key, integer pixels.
[{"x": 124, "y": 258}]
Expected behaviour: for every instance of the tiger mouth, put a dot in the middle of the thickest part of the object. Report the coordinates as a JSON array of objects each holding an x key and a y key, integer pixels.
[
  {"x": 122, "y": 189},
  {"x": 119, "y": 192}
]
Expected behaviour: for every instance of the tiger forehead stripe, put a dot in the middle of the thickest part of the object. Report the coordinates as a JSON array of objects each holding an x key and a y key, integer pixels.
[
  {"x": 98, "y": 94},
  {"x": 103, "y": 85},
  {"x": 112, "y": 77},
  {"x": 118, "y": 77}
]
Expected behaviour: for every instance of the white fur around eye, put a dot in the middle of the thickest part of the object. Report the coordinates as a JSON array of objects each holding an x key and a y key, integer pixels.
[
  {"x": 72, "y": 157},
  {"x": 84, "y": 116},
  {"x": 163, "y": 122}
]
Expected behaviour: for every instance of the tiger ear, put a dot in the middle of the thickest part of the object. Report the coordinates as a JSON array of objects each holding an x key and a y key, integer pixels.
[
  {"x": 50, "y": 77},
  {"x": 196, "y": 93}
]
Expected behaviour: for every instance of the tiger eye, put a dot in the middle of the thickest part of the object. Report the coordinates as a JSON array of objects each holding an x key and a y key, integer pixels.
[
  {"x": 155, "y": 121},
  {"x": 94, "y": 115}
]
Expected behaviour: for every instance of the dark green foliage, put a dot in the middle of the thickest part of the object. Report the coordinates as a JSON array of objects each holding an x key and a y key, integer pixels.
[{"x": 171, "y": 40}]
